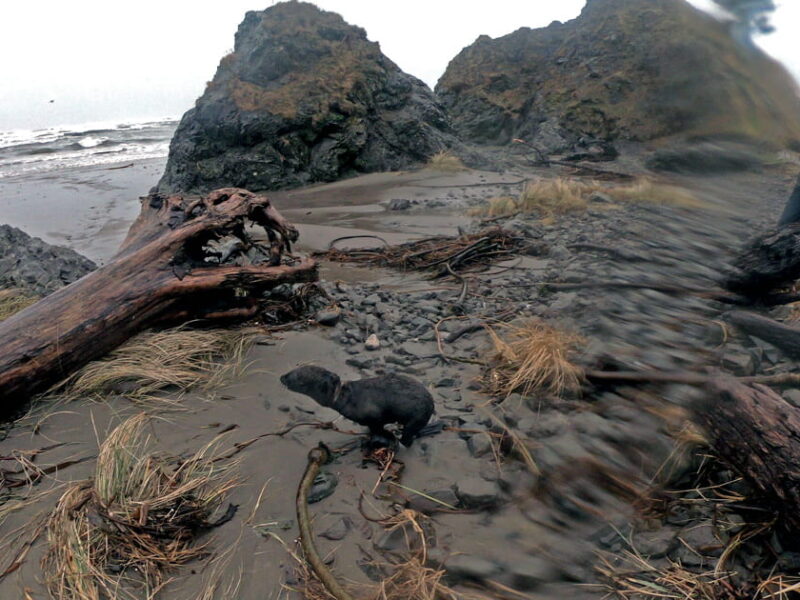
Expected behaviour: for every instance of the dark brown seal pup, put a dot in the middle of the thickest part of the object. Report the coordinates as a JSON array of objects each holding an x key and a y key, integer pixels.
[{"x": 374, "y": 402}]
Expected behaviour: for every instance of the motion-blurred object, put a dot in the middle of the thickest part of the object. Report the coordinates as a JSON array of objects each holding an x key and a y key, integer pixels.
[{"x": 623, "y": 70}]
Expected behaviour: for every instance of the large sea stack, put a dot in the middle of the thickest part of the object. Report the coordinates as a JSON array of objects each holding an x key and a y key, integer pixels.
[
  {"x": 624, "y": 69},
  {"x": 304, "y": 97}
]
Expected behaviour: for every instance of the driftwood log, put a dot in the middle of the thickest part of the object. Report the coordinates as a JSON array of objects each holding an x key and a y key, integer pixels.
[
  {"x": 164, "y": 273},
  {"x": 783, "y": 337},
  {"x": 768, "y": 263},
  {"x": 758, "y": 433}
]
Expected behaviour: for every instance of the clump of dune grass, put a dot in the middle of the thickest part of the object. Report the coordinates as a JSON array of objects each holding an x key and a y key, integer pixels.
[
  {"x": 560, "y": 196},
  {"x": 412, "y": 576},
  {"x": 499, "y": 206},
  {"x": 632, "y": 576},
  {"x": 534, "y": 356},
  {"x": 546, "y": 197},
  {"x": 445, "y": 161},
  {"x": 175, "y": 359},
  {"x": 12, "y": 301},
  {"x": 414, "y": 580},
  {"x": 647, "y": 191},
  {"x": 120, "y": 534}
]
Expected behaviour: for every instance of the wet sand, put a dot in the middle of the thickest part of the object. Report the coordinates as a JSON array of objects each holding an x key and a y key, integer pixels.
[{"x": 87, "y": 209}]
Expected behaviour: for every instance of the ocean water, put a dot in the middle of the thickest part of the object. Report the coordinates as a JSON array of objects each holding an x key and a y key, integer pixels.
[{"x": 38, "y": 151}]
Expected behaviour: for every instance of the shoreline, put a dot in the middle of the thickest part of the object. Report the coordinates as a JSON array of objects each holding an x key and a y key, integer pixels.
[{"x": 88, "y": 209}]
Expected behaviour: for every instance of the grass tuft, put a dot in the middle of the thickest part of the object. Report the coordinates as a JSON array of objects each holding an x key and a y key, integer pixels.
[
  {"x": 12, "y": 301},
  {"x": 445, "y": 161},
  {"x": 633, "y": 577},
  {"x": 560, "y": 196},
  {"x": 534, "y": 356},
  {"x": 121, "y": 533},
  {"x": 158, "y": 361}
]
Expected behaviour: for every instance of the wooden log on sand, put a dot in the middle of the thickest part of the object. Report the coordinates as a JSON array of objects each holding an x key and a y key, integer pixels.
[
  {"x": 160, "y": 275},
  {"x": 758, "y": 433}
]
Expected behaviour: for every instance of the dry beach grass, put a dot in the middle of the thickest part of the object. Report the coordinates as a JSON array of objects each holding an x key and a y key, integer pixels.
[
  {"x": 120, "y": 534},
  {"x": 174, "y": 359},
  {"x": 12, "y": 301},
  {"x": 532, "y": 356},
  {"x": 562, "y": 195},
  {"x": 446, "y": 162}
]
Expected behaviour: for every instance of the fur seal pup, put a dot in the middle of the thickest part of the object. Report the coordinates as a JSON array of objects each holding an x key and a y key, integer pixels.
[{"x": 374, "y": 402}]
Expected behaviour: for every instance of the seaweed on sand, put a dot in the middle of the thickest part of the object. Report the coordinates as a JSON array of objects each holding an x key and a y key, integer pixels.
[{"x": 441, "y": 254}]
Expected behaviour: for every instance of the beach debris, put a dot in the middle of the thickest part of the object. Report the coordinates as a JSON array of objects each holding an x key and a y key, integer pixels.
[
  {"x": 441, "y": 254},
  {"x": 767, "y": 265},
  {"x": 533, "y": 356},
  {"x": 753, "y": 429},
  {"x": 155, "y": 361},
  {"x": 160, "y": 275},
  {"x": 316, "y": 458},
  {"x": 137, "y": 519},
  {"x": 372, "y": 343}
]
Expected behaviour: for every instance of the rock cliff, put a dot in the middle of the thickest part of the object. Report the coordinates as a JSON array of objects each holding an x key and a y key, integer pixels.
[
  {"x": 624, "y": 69},
  {"x": 304, "y": 97}
]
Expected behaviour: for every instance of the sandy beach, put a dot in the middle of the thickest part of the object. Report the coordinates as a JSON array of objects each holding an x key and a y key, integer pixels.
[{"x": 537, "y": 541}]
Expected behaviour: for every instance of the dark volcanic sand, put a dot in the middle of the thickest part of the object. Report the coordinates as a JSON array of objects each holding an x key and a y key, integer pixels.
[{"x": 544, "y": 532}]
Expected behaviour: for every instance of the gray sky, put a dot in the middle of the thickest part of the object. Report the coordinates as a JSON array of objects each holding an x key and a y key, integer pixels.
[{"x": 102, "y": 60}]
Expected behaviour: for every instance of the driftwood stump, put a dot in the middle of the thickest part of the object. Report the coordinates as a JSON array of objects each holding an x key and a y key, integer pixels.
[
  {"x": 783, "y": 337},
  {"x": 162, "y": 274},
  {"x": 758, "y": 433},
  {"x": 769, "y": 262}
]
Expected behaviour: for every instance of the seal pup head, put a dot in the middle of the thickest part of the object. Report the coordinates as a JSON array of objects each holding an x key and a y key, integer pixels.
[{"x": 315, "y": 382}]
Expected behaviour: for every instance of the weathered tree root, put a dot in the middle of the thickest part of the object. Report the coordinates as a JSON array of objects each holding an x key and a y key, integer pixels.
[
  {"x": 767, "y": 263},
  {"x": 316, "y": 458},
  {"x": 441, "y": 254},
  {"x": 783, "y": 337},
  {"x": 755, "y": 431},
  {"x": 164, "y": 273}
]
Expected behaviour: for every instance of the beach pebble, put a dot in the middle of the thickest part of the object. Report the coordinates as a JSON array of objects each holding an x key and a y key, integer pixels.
[
  {"x": 470, "y": 568},
  {"x": 329, "y": 318},
  {"x": 479, "y": 445},
  {"x": 655, "y": 544},
  {"x": 475, "y": 492},
  {"x": 372, "y": 343},
  {"x": 337, "y": 531},
  {"x": 323, "y": 486},
  {"x": 529, "y": 572},
  {"x": 399, "y": 204}
]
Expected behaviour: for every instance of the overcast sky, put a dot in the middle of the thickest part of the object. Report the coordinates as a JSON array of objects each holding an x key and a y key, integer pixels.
[{"x": 110, "y": 61}]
